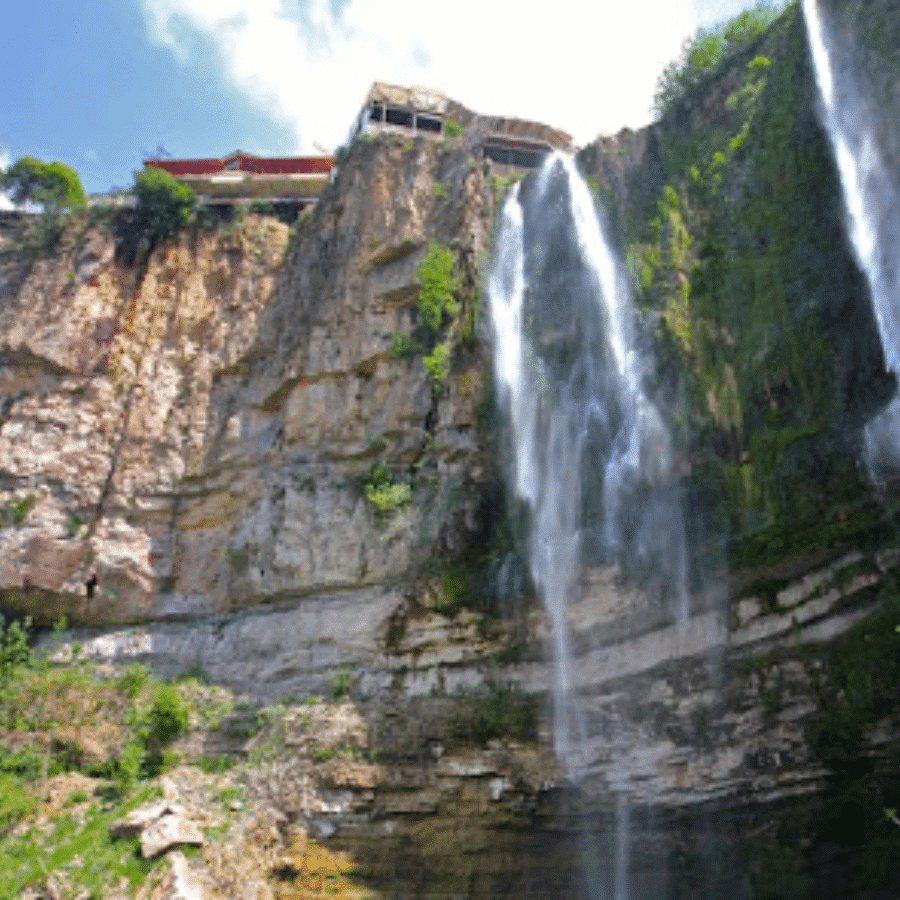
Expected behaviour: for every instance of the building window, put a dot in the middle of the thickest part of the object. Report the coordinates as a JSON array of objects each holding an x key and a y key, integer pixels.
[
  {"x": 514, "y": 156},
  {"x": 401, "y": 117},
  {"x": 428, "y": 123},
  {"x": 376, "y": 113}
]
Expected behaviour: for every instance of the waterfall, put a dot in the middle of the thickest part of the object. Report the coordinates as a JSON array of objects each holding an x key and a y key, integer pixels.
[
  {"x": 590, "y": 456},
  {"x": 872, "y": 207}
]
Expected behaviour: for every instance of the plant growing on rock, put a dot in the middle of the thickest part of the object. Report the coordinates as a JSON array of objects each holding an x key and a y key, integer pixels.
[
  {"x": 383, "y": 493},
  {"x": 164, "y": 205},
  {"x": 438, "y": 287},
  {"x": 709, "y": 46}
]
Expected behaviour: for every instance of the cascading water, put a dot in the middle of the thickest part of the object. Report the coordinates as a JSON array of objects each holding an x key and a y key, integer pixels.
[
  {"x": 591, "y": 457},
  {"x": 872, "y": 204}
]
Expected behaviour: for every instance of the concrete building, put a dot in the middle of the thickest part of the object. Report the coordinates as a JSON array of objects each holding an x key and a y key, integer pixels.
[{"x": 509, "y": 142}]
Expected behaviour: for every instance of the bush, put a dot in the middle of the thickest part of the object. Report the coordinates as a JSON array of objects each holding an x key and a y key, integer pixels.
[
  {"x": 438, "y": 285},
  {"x": 437, "y": 365},
  {"x": 164, "y": 205},
  {"x": 168, "y": 715},
  {"x": 14, "y": 512},
  {"x": 14, "y": 649},
  {"x": 452, "y": 128},
  {"x": 383, "y": 493}
]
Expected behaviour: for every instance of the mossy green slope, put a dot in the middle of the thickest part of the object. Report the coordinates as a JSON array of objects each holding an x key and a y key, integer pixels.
[{"x": 768, "y": 355}]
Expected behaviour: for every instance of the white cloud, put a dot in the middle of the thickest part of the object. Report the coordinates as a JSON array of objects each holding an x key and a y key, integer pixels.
[
  {"x": 5, "y": 160},
  {"x": 574, "y": 65}
]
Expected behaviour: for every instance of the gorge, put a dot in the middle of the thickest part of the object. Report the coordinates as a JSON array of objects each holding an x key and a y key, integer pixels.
[{"x": 669, "y": 669}]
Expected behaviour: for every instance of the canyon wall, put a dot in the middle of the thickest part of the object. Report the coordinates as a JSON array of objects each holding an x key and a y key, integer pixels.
[{"x": 249, "y": 437}]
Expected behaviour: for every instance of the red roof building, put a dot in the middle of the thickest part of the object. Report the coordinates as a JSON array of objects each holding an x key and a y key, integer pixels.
[{"x": 240, "y": 177}]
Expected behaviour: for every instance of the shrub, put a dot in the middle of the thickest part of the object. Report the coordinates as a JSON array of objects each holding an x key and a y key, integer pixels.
[
  {"x": 403, "y": 347},
  {"x": 133, "y": 679},
  {"x": 438, "y": 285},
  {"x": 14, "y": 649},
  {"x": 342, "y": 682},
  {"x": 164, "y": 205},
  {"x": 498, "y": 711},
  {"x": 437, "y": 365},
  {"x": 452, "y": 128},
  {"x": 15, "y": 512},
  {"x": 168, "y": 715},
  {"x": 384, "y": 493}
]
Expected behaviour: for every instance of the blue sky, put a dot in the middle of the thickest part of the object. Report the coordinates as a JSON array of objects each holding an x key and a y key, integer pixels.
[{"x": 98, "y": 84}]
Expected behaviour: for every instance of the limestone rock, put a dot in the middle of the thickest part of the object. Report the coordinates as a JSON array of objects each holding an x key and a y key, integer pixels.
[
  {"x": 169, "y": 830},
  {"x": 184, "y": 883},
  {"x": 140, "y": 818}
]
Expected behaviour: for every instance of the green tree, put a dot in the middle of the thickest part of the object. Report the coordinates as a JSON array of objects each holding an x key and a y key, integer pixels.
[
  {"x": 164, "y": 205},
  {"x": 53, "y": 185}
]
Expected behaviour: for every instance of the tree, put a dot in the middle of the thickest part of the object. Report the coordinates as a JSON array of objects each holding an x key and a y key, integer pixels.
[
  {"x": 54, "y": 186},
  {"x": 164, "y": 205}
]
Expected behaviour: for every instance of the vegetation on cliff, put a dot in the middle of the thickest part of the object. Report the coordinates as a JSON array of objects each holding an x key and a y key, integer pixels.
[
  {"x": 54, "y": 186},
  {"x": 768, "y": 357},
  {"x": 708, "y": 49},
  {"x": 164, "y": 205}
]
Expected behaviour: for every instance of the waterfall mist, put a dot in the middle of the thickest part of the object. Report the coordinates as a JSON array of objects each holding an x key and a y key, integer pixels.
[{"x": 590, "y": 455}]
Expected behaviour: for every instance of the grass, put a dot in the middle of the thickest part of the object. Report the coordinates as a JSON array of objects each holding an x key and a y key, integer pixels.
[{"x": 76, "y": 847}]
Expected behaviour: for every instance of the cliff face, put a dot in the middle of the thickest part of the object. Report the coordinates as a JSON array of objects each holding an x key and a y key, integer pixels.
[
  {"x": 281, "y": 474},
  {"x": 199, "y": 431}
]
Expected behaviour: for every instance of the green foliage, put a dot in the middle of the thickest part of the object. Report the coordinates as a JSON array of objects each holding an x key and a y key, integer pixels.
[
  {"x": 54, "y": 186},
  {"x": 168, "y": 715},
  {"x": 452, "y": 128},
  {"x": 437, "y": 365},
  {"x": 384, "y": 493},
  {"x": 164, "y": 205},
  {"x": 498, "y": 711},
  {"x": 14, "y": 512},
  {"x": 862, "y": 683},
  {"x": 15, "y": 804},
  {"x": 709, "y": 47},
  {"x": 438, "y": 286},
  {"x": 77, "y": 844},
  {"x": 220, "y": 762},
  {"x": 73, "y": 524},
  {"x": 14, "y": 649},
  {"x": 342, "y": 683},
  {"x": 403, "y": 347},
  {"x": 133, "y": 679}
]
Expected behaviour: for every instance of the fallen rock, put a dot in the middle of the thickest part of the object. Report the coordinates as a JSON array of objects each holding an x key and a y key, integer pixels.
[
  {"x": 140, "y": 818},
  {"x": 170, "y": 830}
]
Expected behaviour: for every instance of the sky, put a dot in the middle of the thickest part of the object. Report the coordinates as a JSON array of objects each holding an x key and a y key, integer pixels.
[{"x": 101, "y": 84}]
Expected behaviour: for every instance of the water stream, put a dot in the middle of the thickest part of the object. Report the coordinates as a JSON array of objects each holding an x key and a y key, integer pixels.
[
  {"x": 590, "y": 455},
  {"x": 872, "y": 206}
]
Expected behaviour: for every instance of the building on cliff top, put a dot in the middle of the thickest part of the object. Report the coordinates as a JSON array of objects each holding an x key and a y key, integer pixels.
[
  {"x": 294, "y": 181},
  {"x": 508, "y": 142}
]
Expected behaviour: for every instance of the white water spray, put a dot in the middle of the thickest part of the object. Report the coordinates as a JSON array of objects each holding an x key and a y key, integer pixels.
[
  {"x": 591, "y": 457},
  {"x": 872, "y": 204}
]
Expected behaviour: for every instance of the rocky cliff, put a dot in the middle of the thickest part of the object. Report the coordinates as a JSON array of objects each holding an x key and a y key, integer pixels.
[{"x": 280, "y": 465}]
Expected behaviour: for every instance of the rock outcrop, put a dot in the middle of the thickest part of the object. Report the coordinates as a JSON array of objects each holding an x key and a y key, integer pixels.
[{"x": 245, "y": 444}]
